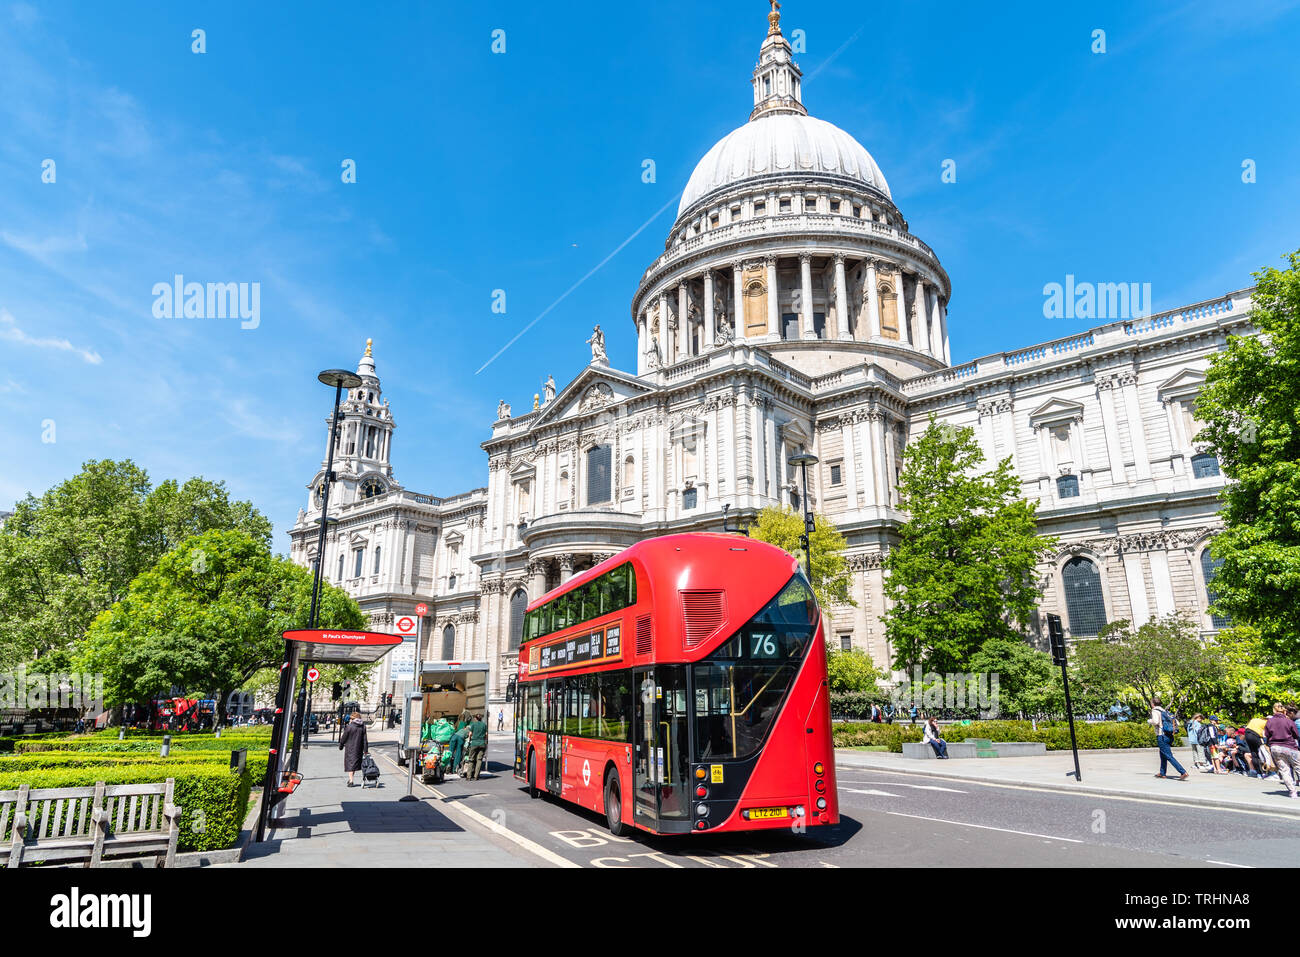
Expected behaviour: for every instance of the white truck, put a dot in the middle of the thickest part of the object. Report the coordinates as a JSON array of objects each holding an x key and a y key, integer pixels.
[{"x": 447, "y": 689}]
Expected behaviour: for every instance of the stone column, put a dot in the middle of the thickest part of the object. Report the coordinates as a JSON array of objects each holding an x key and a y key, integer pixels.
[
  {"x": 943, "y": 329},
  {"x": 773, "y": 308},
  {"x": 1137, "y": 430},
  {"x": 936, "y": 338},
  {"x": 879, "y": 459},
  {"x": 537, "y": 574},
  {"x": 841, "y": 327},
  {"x": 919, "y": 310},
  {"x": 806, "y": 330},
  {"x": 710, "y": 331},
  {"x": 640, "y": 344},
  {"x": 737, "y": 301},
  {"x": 566, "y": 567},
  {"x": 683, "y": 321},
  {"x": 850, "y": 462},
  {"x": 873, "y": 301},
  {"x": 665, "y": 339}
]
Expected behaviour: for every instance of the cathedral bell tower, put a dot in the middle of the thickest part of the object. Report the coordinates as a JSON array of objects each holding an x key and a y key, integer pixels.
[
  {"x": 363, "y": 456},
  {"x": 777, "y": 78}
]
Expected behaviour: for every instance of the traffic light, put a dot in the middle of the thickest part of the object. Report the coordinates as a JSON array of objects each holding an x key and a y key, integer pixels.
[
  {"x": 510, "y": 689},
  {"x": 1056, "y": 638},
  {"x": 336, "y": 691}
]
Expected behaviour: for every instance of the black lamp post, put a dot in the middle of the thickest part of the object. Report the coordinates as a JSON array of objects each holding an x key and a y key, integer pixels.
[
  {"x": 803, "y": 460},
  {"x": 341, "y": 379}
]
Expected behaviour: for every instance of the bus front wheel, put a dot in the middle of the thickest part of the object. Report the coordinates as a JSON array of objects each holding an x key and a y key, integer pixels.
[
  {"x": 532, "y": 774},
  {"x": 614, "y": 803}
]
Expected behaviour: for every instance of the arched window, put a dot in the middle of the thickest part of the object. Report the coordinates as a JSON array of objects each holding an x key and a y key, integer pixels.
[
  {"x": 376, "y": 571},
  {"x": 518, "y": 602},
  {"x": 1204, "y": 466},
  {"x": 564, "y": 489},
  {"x": 451, "y": 582},
  {"x": 1083, "y": 597},
  {"x": 598, "y": 477},
  {"x": 629, "y": 474},
  {"x": 1209, "y": 568},
  {"x": 890, "y": 312},
  {"x": 1067, "y": 486},
  {"x": 360, "y": 554},
  {"x": 448, "y": 643},
  {"x": 340, "y": 566}
]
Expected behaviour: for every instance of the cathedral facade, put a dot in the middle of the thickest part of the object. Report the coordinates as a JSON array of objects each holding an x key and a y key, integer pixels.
[{"x": 792, "y": 310}]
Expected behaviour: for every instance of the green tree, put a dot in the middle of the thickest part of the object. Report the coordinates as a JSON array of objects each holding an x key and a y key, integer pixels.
[
  {"x": 72, "y": 553},
  {"x": 783, "y": 527},
  {"x": 852, "y": 670},
  {"x": 206, "y": 618},
  {"x": 963, "y": 571},
  {"x": 1029, "y": 685},
  {"x": 1255, "y": 674},
  {"x": 1249, "y": 406},
  {"x": 1164, "y": 658}
]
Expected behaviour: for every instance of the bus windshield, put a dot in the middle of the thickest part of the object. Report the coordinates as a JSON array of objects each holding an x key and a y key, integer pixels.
[{"x": 740, "y": 687}]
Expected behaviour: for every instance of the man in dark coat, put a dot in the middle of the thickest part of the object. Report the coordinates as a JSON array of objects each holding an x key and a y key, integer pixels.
[{"x": 353, "y": 744}]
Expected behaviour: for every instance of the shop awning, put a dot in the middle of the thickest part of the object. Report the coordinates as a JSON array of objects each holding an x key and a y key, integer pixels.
[{"x": 332, "y": 646}]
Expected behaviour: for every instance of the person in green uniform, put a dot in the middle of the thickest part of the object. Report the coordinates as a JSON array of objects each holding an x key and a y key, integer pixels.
[{"x": 478, "y": 733}]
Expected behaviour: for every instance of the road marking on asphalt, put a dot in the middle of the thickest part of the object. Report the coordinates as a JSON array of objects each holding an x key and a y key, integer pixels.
[
  {"x": 870, "y": 791},
  {"x": 919, "y": 787},
  {"x": 1230, "y": 864},
  {"x": 1093, "y": 796},
  {"x": 531, "y": 846},
  {"x": 986, "y": 827}
]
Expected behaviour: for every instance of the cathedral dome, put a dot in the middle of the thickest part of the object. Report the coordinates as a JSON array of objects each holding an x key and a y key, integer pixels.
[{"x": 782, "y": 143}]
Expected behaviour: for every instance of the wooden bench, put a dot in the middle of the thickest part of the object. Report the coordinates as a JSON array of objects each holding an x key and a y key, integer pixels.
[{"x": 93, "y": 824}]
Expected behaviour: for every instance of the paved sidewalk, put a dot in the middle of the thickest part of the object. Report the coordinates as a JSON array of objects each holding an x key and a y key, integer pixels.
[
  {"x": 1114, "y": 773},
  {"x": 328, "y": 824}
]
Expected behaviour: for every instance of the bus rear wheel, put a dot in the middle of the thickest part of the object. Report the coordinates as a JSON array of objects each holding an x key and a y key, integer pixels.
[
  {"x": 614, "y": 804},
  {"x": 532, "y": 774}
]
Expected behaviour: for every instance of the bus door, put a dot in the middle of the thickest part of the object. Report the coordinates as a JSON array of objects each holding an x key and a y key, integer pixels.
[
  {"x": 554, "y": 737},
  {"x": 660, "y": 772},
  {"x": 644, "y": 779}
]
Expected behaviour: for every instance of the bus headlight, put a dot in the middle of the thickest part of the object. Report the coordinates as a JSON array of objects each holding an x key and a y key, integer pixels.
[
  {"x": 702, "y": 810},
  {"x": 821, "y": 804}
]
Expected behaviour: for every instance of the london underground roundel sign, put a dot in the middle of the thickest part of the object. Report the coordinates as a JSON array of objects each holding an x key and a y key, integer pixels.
[{"x": 405, "y": 625}]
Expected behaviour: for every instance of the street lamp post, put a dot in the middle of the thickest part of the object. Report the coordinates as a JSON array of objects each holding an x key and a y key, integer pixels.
[
  {"x": 341, "y": 379},
  {"x": 803, "y": 460}
]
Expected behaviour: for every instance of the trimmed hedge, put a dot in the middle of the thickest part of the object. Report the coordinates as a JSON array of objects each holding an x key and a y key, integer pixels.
[
  {"x": 145, "y": 745},
  {"x": 213, "y": 801},
  {"x": 1055, "y": 734},
  {"x": 255, "y": 762}
]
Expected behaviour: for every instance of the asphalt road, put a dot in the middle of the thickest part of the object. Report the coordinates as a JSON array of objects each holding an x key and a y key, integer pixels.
[{"x": 889, "y": 820}]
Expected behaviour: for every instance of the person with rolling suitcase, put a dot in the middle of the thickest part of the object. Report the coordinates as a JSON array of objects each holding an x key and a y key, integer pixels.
[{"x": 353, "y": 744}]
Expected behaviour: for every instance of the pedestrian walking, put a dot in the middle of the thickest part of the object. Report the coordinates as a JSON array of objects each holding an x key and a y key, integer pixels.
[
  {"x": 932, "y": 737},
  {"x": 1163, "y": 722},
  {"x": 1194, "y": 739},
  {"x": 354, "y": 745},
  {"x": 478, "y": 734},
  {"x": 501, "y": 719},
  {"x": 1284, "y": 745}
]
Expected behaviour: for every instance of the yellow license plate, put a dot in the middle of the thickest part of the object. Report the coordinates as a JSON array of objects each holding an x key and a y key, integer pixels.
[{"x": 766, "y": 812}]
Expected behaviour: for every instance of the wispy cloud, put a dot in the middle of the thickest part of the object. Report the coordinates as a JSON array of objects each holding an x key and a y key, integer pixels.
[{"x": 9, "y": 330}]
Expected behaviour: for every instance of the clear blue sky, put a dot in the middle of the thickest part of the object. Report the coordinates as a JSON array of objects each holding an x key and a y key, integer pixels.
[{"x": 522, "y": 171}]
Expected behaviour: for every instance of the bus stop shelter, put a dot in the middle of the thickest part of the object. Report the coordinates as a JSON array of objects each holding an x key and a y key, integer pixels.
[{"x": 325, "y": 646}]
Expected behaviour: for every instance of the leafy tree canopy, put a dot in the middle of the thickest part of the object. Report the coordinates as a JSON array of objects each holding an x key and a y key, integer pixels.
[
  {"x": 963, "y": 571},
  {"x": 70, "y": 554},
  {"x": 1249, "y": 406},
  {"x": 1028, "y": 683},
  {"x": 1164, "y": 658},
  {"x": 852, "y": 670},
  {"x": 205, "y": 619},
  {"x": 783, "y": 527}
]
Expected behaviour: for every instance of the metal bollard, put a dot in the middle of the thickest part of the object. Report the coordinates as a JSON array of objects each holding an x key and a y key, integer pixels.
[
  {"x": 121, "y": 734},
  {"x": 166, "y": 745}
]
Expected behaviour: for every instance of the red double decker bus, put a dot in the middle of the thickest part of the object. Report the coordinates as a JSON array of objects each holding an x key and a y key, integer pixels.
[{"x": 680, "y": 686}]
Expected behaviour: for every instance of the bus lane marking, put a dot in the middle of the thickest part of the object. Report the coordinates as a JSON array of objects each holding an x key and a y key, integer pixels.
[{"x": 986, "y": 827}]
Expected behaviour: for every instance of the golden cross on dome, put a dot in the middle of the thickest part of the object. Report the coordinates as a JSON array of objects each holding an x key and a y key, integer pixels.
[
  {"x": 774, "y": 18},
  {"x": 368, "y": 341}
]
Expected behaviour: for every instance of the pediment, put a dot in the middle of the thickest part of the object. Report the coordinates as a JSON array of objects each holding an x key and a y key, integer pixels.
[
  {"x": 1056, "y": 410},
  {"x": 1187, "y": 382},
  {"x": 522, "y": 470},
  {"x": 595, "y": 389}
]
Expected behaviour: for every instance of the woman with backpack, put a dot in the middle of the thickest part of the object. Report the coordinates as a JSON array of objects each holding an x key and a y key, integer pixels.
[
  {"x": 1165, "y": 727},
  {"x": 353, "y": 744}
]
